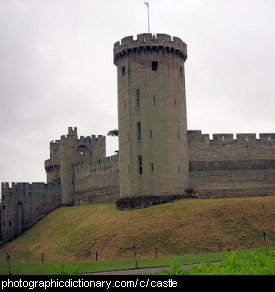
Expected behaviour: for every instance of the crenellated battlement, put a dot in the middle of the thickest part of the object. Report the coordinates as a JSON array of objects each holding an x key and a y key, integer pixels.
[
  {"x": 81, "y": 140},
  {"x": 55, "y": 143},
  {"x": 148, "y": 41},
  {"x": 7, "y": 186},
  {"x": 72, "y": 131},
  {"x": 196, "y": 136},
  {"x": 99, "y": 138},
  {"x": 50, "y": 167},
  {"x": 106, "y": 160}
]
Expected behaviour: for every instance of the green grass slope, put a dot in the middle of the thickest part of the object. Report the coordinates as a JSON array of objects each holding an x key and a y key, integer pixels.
[{"x": 178, "y": 228}]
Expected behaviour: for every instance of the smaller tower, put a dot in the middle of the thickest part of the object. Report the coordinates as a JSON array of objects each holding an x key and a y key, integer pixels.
[
  {"x": 52, "y": 165},
  {"x": 67, "y": 152},
  {"x": 67, "y": 160}
]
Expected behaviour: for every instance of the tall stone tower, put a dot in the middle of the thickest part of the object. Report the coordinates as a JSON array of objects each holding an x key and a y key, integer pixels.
[{"x": 152, "y": 120}]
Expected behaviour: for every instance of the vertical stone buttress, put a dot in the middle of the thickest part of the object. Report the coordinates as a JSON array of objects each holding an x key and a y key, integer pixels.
[
  {"x": 152, "y": 120},
  {"x": 68, "y": 157}
]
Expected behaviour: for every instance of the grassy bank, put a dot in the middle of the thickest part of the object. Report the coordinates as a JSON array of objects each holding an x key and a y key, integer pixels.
[{"x": 178, "y": 228}]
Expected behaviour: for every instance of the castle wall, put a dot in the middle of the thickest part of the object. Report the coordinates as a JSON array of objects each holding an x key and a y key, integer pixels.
[
  {"x": 97, "y": 182},
  {"x": 227, "y": 167},
  {"x": 24, "y": 204}
]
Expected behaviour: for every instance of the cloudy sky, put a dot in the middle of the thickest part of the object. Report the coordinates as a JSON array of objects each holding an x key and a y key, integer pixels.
[{"x": 56, "y": 69}]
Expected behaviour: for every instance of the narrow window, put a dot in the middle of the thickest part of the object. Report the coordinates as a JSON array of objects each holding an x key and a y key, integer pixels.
[
  {"x": 139, "y": 131},
  {"x": 154, "y": 66},
  {"x": 140, "y": 164},
  {"x": 178, "y": 169},
  {"x": 175, "y": 101},
  {"x": 124, "y": 105},
  {"x": 3, "y": 223},
  {"x": 128, "y": 137},
  {"x": 154, "y": 99},
  {"x": 151, "y": 134},
  {"x": 10, "y": 224},
  {"x": 128, "y": 169},
  {"x": 181, "y": 72},
  {"x": 123, "y": 71},
  {"x": 178, "y": 134},
  {"x": 137, "y": 98},
  {"x": 4, "y": 197},
  {"x": 3, "y": 207},
  {"x": 152, "y": 166}
]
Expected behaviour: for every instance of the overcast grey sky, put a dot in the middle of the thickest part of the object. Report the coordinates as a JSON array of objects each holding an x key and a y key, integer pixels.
[{"x": 56, "y": 69}]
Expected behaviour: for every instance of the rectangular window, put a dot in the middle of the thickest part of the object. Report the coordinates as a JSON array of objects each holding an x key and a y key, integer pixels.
[
  {"x": 128, "y": 169},
  {"x": 10, "y": 224},
  {"x": 175, "y": 101},
  {"x": 178, "y": 135},
  {"x": 137, "y": 98},
  {"x": 181, "y": 72},
  {"x": 3, "y": 207},
  {"x": 123, "y": 71},
  {"x": 152, "y": 166},
  {"x": 178, "y": 169},
  {"x": 151, "y": 134},
  {"x": 154, "y": 66},
  {"x": 154, "y": 99},
  {"x": 139, "y": 131},
  {"x": 140, "y": 164}
]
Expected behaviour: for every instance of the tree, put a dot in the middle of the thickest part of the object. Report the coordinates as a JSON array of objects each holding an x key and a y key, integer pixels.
[{"x": 113, "y": 133}]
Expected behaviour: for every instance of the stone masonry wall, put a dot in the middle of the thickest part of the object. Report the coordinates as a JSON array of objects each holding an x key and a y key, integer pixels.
[
  {"x": 227, "y": 167},
  {"x": 97, "y": 182},
  {"x": 24, "y": 204}
]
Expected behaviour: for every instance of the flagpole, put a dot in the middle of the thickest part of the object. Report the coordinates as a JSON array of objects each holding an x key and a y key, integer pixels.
[{"x": 147, "y": 4}]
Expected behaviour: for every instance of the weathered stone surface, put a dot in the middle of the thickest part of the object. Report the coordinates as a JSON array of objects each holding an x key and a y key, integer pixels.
[
  {"x": 151, "y": 91},
  {"x": 97, "y": 182},
  {"x": 129, "y": 203},
  {"x": 24, "y": 204}
]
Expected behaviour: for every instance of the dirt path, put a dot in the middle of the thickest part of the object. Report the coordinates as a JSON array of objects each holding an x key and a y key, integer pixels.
[{"x": 144, "y": 271}]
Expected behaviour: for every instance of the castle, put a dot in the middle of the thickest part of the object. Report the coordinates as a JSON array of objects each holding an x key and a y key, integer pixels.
[{"x": 157, "y": 154}]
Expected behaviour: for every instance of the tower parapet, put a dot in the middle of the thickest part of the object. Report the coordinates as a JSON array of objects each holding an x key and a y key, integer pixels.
[{"x": 150, "y": 42}]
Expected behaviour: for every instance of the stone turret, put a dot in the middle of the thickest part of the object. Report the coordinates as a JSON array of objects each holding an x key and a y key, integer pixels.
[
  {"x": 68, "y": 158},
  {"x": 66, "y": 153},
  {"x": 152, "y": 115}
]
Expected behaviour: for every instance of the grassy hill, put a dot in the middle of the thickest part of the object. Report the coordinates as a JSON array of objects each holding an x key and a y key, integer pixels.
[{"x": 178, "y": 228}]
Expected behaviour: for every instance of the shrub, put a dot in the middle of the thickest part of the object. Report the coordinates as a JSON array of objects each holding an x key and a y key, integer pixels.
[{"x": 236, "y": 263}]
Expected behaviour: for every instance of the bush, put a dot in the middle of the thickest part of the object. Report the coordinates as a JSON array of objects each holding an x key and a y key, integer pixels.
[{"x": 236, "y": 263}]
